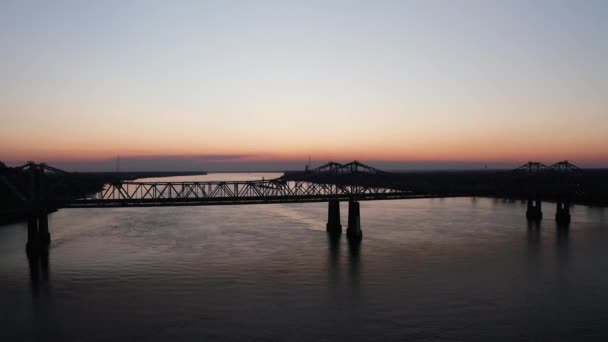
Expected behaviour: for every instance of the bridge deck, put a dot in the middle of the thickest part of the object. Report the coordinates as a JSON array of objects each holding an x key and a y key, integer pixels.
[{"x": 233, "y": 201}]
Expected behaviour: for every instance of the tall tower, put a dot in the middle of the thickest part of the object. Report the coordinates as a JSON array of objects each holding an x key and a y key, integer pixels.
[{"x": 308, "y": 164}]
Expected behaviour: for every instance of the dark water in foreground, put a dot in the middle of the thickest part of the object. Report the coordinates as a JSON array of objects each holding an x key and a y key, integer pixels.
[{"x": 431, "y": 269}]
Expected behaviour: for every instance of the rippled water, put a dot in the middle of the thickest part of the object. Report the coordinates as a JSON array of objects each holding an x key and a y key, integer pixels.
[{"x": 427, "y": 269}]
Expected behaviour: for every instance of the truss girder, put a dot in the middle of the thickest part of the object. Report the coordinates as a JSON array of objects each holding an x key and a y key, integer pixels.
[{"x": 138, "y": 193}]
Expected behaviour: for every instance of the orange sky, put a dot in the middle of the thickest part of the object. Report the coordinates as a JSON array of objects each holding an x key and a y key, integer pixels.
[{"x": 399, "y": 82}]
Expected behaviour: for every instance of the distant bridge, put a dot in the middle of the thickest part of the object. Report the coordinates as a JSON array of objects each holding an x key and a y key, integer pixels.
[
  {"x": 354, "y": 168},
  {"x": 541, "y": 179},
  {"x": 563, "y": 167}
]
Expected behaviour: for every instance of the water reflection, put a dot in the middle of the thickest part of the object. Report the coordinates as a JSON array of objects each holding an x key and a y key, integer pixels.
[
  {"x": 333, "y": 241},
  {"x": 354, "y": 261},
  {"x": 596, "y": 213},
  {"x": 39, "y": 271},
  {"x": 333, "y": 262},
  {"x": 354, "y": 258},
  {"x": 562, "y": 240},
  {"x": 534, "y": 238}
]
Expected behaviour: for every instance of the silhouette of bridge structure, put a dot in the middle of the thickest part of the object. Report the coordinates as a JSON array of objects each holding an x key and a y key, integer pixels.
[
  {"x": 43, "y": 189},
  {"x": 313, "y": 187},
  {"x": 556, "y": 180},
  {"x": 48, "y": 188}
]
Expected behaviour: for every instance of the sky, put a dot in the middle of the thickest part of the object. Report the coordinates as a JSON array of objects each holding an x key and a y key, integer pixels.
[{"x": 242, "y": 85}]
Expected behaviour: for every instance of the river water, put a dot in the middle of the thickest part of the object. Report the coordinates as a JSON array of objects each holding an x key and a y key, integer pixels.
[{"x": 468, "y": 269}]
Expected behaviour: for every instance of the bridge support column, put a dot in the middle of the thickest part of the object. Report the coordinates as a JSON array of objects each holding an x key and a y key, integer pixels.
[
  {"x": 33, "y": 238},
  {"x": 43, "y": 228},
  {"x": 333, "y": 217},
  {"x": 562, "y": 214},
  {"x": 534, "y": 211},
  {"x": 353, "y": 232},
  {"x": 38, "y": 236}
]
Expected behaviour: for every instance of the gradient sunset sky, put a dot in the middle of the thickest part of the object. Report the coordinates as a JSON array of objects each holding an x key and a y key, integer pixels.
[{"x": 262, "y": 84}]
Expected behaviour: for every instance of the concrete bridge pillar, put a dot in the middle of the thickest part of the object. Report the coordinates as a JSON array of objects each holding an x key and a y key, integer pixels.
[
  {"x": 333, "y": 217},
  {"x": 562, "y": 214},
  {"x": 33, "y": 238},
  {"x": 534, "y": 211},
  {"x": 38, "y": 236},
  {"x": 353, "y": 232},
  {"x": 43, "y": 228}
]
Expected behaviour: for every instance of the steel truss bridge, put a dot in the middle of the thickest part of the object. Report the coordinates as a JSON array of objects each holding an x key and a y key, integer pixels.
[
  {"x": 146, "y": 194},
  {"x": 317, "y": 185},
  {"x": 41, "y": 188}
]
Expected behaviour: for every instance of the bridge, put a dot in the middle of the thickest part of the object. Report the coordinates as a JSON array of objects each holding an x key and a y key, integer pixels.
[
  {"x": 541, "y": 179},
  {"x": 48, "y": 188},
  {"x": 41, "y": 189},
  {"x": 147, "y": 194}
]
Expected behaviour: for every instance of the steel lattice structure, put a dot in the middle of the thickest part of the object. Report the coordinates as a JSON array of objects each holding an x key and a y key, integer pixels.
[
  {"x": 537, "y": 168},
  {"x": 352, "y": 168},
  {"x": 141, "y": 194}
]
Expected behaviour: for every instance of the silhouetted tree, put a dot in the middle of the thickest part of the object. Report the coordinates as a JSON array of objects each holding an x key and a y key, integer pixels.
[{"x": 2, "y": 165}]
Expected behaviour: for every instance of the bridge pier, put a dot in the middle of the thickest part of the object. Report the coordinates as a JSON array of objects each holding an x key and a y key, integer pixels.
[
  {"x": 33, "y": 238},
  {"x": 38, "y": 236},
  {"x": 562, "y": 214},
  {"x": 43, "y": 228},
  {"x": 534, "y": 211},
  {"x": 333, "y": 217},
  {"x": 353, "y": 231}
]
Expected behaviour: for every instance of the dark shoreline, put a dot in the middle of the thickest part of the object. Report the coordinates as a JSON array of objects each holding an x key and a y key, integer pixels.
[{"x": 132, "y": 175}]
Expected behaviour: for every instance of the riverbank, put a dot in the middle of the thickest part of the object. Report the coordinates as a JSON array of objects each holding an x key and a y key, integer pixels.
[{"x": 132, "y": 175}]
